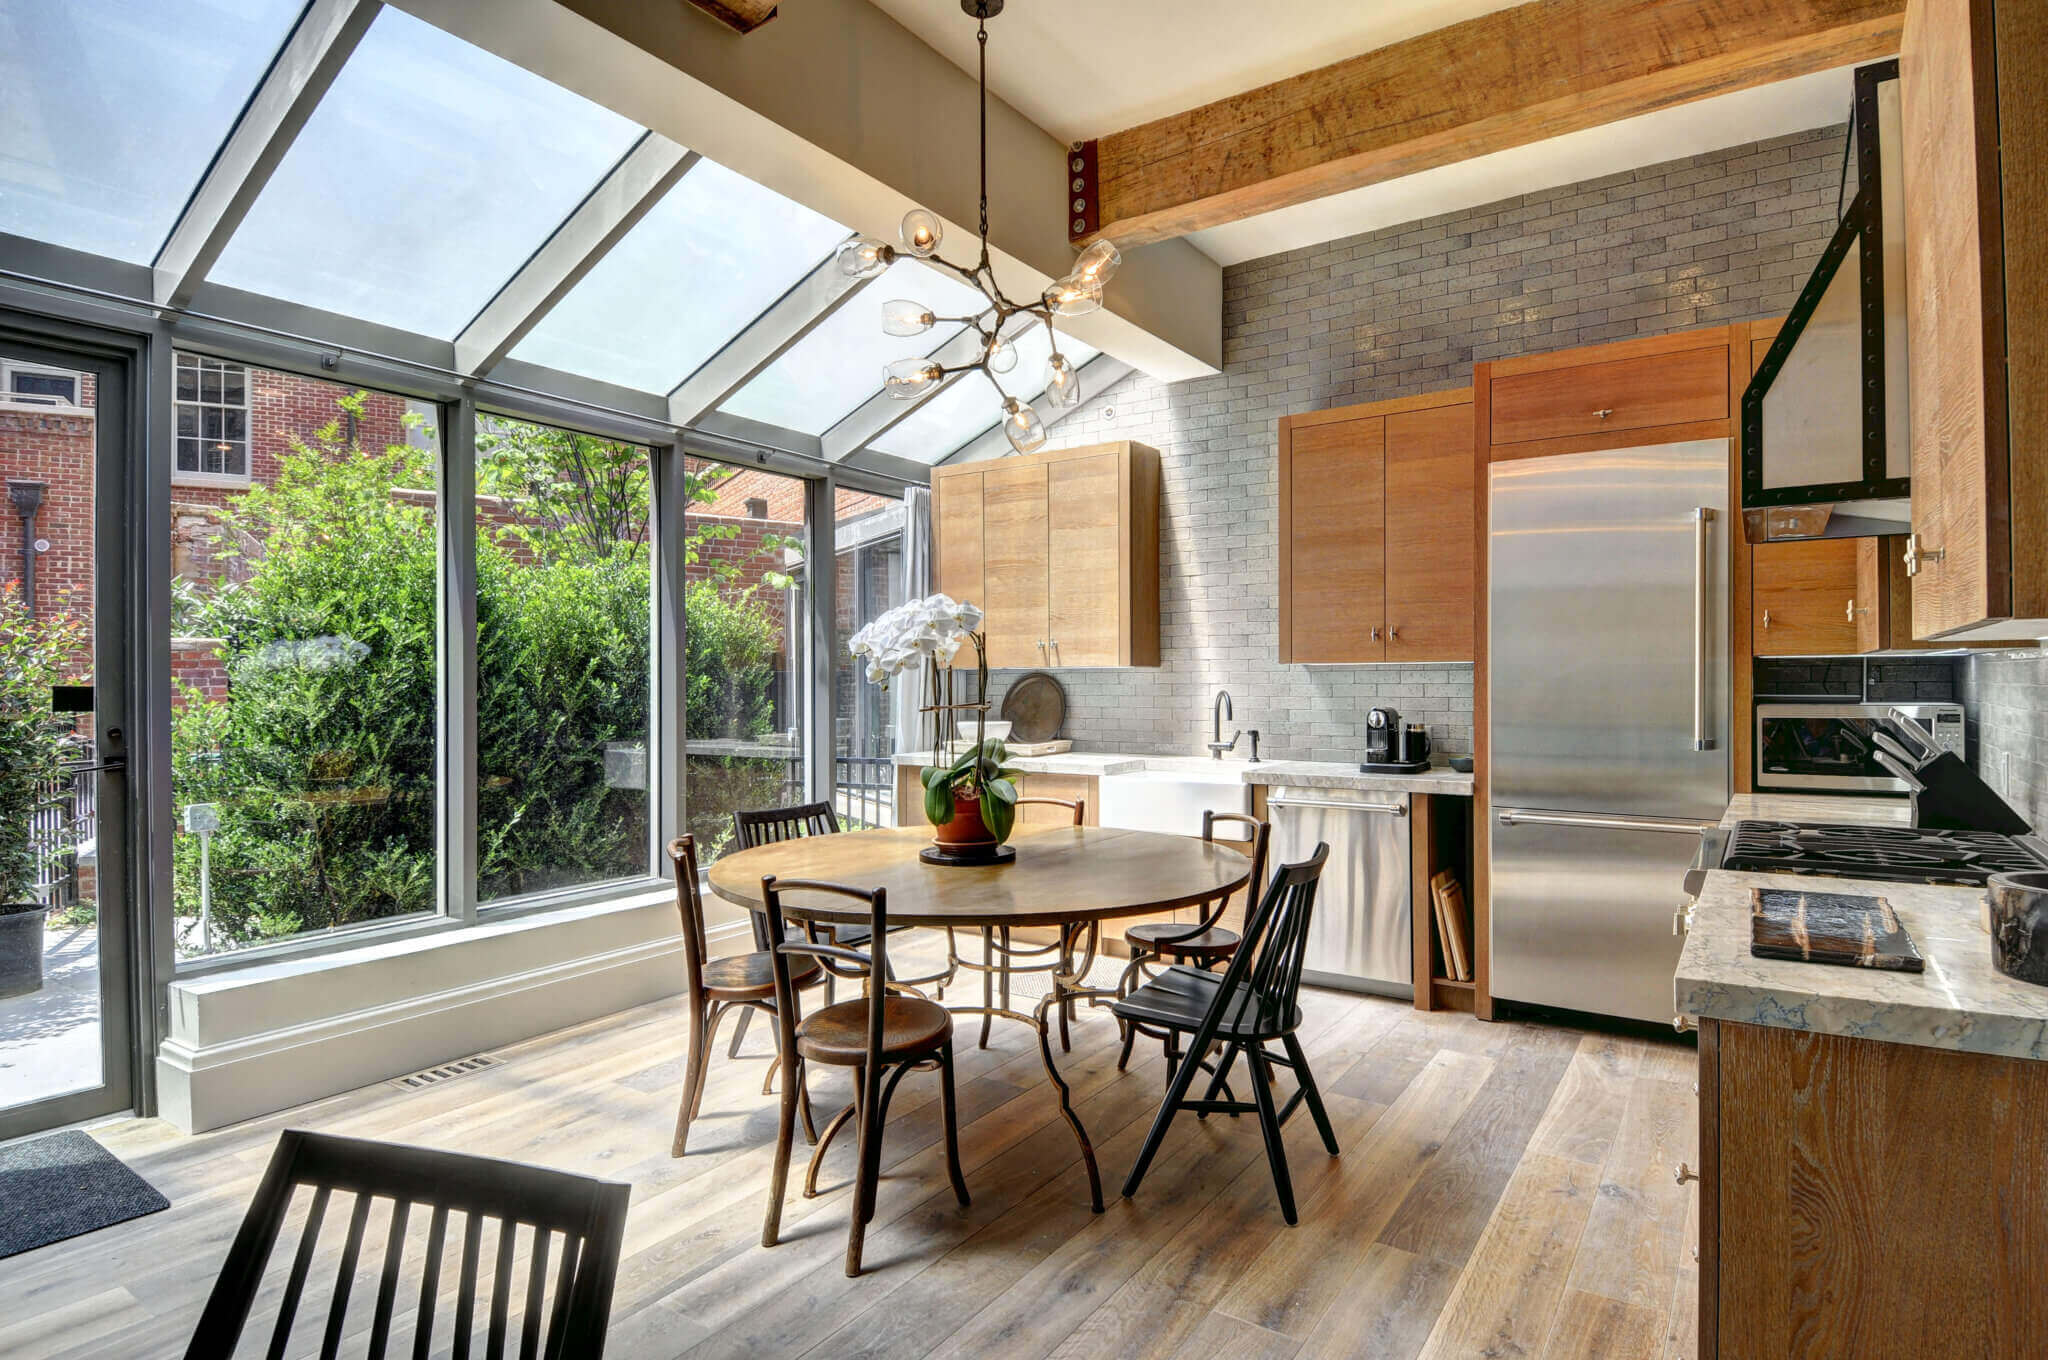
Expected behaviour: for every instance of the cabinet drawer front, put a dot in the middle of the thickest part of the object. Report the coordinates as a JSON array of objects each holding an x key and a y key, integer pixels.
[{"x": 1633, "y": 394}]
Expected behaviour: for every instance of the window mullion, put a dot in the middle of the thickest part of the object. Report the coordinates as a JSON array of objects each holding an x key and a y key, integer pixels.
[
  {"x": 668, "y": 763},
  {"x": 821, "y": 598},
  {"x": 456, "y": 527}
]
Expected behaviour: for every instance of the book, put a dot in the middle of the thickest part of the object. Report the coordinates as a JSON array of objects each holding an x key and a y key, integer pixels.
[{"x": 1453, "y": 926}]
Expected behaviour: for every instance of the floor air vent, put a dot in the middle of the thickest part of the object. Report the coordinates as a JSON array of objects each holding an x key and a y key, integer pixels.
[{"x": 447, "y": 1071}]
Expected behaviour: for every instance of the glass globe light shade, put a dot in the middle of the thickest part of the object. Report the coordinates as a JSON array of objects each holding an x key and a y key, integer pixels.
[
  {"x": 1002, "y": 356},
  {"x": 901, "y": 316},
  {"x": 907, "y": 378},
  {"x": 1073, "y": 297},
  {"x": 1021, "y": 424},
  {"x": 1062, "y": 383},
  {"x": 1095, "y": 264},
  {"x": 863, "y": 257},
  {"x": 922, "y": 232}
]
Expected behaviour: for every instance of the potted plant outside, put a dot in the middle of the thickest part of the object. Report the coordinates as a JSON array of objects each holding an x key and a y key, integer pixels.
[{"x": 970, "y": 794}]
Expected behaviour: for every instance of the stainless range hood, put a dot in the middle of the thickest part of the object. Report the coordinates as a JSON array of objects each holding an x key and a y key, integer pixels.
[{"x": 1824, "y": 428}]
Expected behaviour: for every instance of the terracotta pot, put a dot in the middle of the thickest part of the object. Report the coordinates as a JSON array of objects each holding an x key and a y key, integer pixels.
[{"x": 964, "y": 830}]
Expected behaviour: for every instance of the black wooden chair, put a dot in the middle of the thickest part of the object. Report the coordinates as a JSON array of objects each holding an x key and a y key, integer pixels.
[
  {"x": 1252, "y": 1004},
  {"x": 999, "y": 956},
  {"x": 588, "y": 1215},
  {"x": 715, "y": 987},
  {"x": 1202, "y": 944},
  {"x": 884, "y": 1032}
]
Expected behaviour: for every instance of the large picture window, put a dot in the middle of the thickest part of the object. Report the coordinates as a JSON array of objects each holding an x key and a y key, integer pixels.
[
  {"x": 563, "y": 661},
  {"x": 304, "y": 660},
  {"x": 868, "y": 541}
]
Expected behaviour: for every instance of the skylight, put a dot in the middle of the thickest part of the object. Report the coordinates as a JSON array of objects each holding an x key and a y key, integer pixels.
[{"x": 942, "y": 423}]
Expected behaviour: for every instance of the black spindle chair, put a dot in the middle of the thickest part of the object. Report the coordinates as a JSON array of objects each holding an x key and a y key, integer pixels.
[
  {"x": 885, "y": 1032},
  {"x": 589, "y": 1215},
  {"x": 1253, "y": 1004}
]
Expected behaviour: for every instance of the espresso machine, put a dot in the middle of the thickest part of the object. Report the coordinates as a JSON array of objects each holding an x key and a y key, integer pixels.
[{"x": 1392, "y": 746}]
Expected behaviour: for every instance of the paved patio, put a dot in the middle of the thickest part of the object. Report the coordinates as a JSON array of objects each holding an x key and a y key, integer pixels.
[{"x": 50, "y": 1039}]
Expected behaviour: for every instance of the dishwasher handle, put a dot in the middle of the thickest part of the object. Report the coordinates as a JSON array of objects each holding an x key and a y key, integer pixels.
[
  {"x": 1516, "y": 817},
  {"x": 1327, "y": 805}
]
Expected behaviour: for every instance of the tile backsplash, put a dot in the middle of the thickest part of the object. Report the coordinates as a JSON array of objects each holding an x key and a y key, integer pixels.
[
  {"x": 2005, "y": 699},
  {"x": 1725, "y": 236}
]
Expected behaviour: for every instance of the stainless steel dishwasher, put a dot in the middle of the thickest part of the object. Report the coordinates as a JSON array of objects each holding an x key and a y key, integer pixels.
[{"x": 1359, "y": 938}]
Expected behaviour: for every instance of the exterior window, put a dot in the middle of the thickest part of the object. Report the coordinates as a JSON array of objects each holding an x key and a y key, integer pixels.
[
  {"x": 213, "y": 419},
  {"x": 34, "y": 385},
  {"x": 869, "y": 538}
]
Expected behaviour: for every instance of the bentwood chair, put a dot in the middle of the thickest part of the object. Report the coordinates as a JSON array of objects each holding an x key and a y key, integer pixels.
[
  {"x": 715, "y": 987},
  {"x": 1253, "y": 1004},
  {"x": 1203, "y": 944},
  {"x": 998, "y": 961},
  {"x": 570, "y": 1227},
  {"x": 885, "y": 1034}
]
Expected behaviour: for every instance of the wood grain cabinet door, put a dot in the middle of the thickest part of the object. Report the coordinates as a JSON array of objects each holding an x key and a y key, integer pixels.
[
  {"x": 1805, "y": 597},
  {"x": 1014, "y": 575},
  {"x": 1086, "y": 601},
  {"x": 1333, "y": 527},
  {"x": 1429, "y": 543},
  {"x": 1638, "y": 393},
  {"x": 956, "y": 534}
]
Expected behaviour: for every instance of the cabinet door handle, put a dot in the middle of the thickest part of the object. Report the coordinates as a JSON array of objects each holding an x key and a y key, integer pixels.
[
  {"x": 1915, "y": 554},
  {"x": 1767, "y": 618},
  {"x": 1852, "y": 611},
  {"x": 1393, "y": 635},
  {"x": 1054, "y": 644},
  {"x": 1375, "y": 633},
  {"x": 1604, "y": 412},
  {"x": 1684, "y": 1173},
  {"x": 1042, "y": 659}
]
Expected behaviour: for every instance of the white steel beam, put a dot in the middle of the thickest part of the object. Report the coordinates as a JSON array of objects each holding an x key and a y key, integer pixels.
[
  {"x": 766, "y": 338},
  {"x": 1097, "y": 376}
]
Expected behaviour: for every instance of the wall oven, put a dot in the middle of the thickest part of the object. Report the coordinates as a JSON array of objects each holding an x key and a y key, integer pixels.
[{"x": 1826, "y": 748}]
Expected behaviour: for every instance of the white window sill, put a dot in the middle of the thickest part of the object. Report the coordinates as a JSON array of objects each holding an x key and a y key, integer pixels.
[{"x": 215, "y": 479}]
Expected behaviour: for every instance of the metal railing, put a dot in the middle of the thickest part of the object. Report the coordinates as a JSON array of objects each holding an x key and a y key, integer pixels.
[{"x": 64, "y": 817}]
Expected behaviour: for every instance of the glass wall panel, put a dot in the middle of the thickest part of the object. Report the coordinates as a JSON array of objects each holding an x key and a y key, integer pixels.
[
  {"x": 868, "y": 538},
  {"x": 563, "y": 660},
  {"x": 744, "y": 651},
  {"x": 701, "y": 265},
  {"x": 113, "y": 110},
  {"x": 839, "y": 364},
  {"x": 304, "y": 660},
  {"x": 425, "y": 178},
  {"x": 942, "y": 423}
]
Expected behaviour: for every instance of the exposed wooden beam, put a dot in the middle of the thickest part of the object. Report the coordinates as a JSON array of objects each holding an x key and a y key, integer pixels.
[
  {"x": 741, "y": 16},
  {"x": 311, "y": 58},
  {"x": 1503, "y": 80},
  {"x": 605, "y": 215}
]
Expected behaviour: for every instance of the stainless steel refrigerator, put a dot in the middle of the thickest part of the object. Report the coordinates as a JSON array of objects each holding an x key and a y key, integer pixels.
[{"x": 1608, "y": 705}]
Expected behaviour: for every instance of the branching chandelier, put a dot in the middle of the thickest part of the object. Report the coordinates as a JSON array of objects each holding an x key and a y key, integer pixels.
[{"x": 1078, "y": 293}]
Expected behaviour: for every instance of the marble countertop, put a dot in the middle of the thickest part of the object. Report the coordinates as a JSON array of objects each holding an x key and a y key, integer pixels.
[
  {"x": 1960, "y": 1002},
  {"x": 1314, "y": 774}
]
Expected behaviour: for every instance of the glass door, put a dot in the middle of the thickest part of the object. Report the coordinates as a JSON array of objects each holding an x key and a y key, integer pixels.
[{"x": 66, "y": 1045}]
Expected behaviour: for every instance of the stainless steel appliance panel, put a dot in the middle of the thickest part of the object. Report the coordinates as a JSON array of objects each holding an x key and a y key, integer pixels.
[
  {"x": 1608, "y": 636},
  {"x": 1582, "y": 913},
  {"x": 1831, "y": 748},
  {"x": 1360, "y": 936}
]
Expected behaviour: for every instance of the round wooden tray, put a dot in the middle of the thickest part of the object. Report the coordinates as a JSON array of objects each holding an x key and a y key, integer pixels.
[{"x": 1036, "y": 708}]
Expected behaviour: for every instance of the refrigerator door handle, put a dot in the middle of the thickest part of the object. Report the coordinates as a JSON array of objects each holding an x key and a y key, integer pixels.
[
  {"x": 1518, "y": 817},
  {"x": 1702, "y": 577}
]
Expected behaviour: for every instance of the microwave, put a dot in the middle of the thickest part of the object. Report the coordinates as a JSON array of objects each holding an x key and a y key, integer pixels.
[{"x": 1827, "y": 748}]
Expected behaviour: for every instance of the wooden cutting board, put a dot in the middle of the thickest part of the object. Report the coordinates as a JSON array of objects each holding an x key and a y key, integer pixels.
[{"x": 1829, "y": 928}]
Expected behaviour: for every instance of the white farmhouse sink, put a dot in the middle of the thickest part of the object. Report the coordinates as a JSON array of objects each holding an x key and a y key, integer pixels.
[{"x": 1174, "y": 800}]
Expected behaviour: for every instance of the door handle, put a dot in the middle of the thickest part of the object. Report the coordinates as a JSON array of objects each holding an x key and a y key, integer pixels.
[
  {"x": 1915, "y": 554},
  {"x": 1393, "y": 635},
  {"x": 1517, "y": 817},
  {"x": 1852, "y": 611},
  {"x": 1055, "y": 646},
  {"x": 1702, "y": 576},
  {"x": 1389, "y": 809},
  {"x": 1042, "y": 658},
  {"x": 1604, "y": 412},
  {"x": 1375, "y": 633}
]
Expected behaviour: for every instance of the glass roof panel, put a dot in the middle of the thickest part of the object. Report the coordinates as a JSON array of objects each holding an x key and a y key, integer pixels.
[
  {"x": 839, "y": 364},
  {"x": 424, "y": 179},
  {"x": 710, "y": 257},
  {"x": 943, "y": 423},
  {"x": 113, "y": 111}
]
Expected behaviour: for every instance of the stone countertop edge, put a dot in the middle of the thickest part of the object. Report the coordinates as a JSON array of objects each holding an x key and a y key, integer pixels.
[
  {"x": 1314, "y": 774},
  {"x": 1960, "y": 1002}
]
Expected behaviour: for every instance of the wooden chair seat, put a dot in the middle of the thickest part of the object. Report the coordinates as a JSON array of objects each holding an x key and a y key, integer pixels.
[
  {"x": 838, "y": 1035},
  {"x": 1157, "y": 937},
  {"x": 1180, "y": 997},
  {"x": 741, "y": 977}
]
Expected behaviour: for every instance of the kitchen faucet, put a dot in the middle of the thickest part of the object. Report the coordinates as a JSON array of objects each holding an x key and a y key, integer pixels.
[{"x": 1222, "y": 710}]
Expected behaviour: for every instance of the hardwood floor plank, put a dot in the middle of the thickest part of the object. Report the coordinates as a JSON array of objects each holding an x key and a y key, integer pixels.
[
  {"x": 1508, "y": 1296},
  {"x": 1590, "y": 1327},
  {"x": 1221, "y": 1334},
  {"x": 1635, "y": 1237},
  {"x": 87, "y": 1321},
  {"x": 1386, "y": 1309},
  {"x": 1586, "y": 1109},
  {"x": 1682, "y": 1318}
]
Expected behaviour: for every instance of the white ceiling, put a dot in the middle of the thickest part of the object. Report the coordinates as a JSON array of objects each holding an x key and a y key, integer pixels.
[{"x": 1083, "y": 68}]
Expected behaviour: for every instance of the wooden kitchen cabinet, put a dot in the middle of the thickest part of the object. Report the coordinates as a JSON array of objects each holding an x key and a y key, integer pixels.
[
  {"x": 1376, "y": 544},
  {"x": 1974, "y": 91},
  {"x": 1061, "y": 551},
  {"x": 1818, "y": 597},
  {"x": 1635, "y": 392}
]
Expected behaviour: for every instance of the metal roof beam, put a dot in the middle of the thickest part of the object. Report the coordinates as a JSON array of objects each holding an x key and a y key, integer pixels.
[
  {"x": 1097, "y": 376},
  {"x": 766, "y": 338}
]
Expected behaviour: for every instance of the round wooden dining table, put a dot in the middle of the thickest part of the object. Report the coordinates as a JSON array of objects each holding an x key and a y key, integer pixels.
[{"x": 1071, "y": 877}]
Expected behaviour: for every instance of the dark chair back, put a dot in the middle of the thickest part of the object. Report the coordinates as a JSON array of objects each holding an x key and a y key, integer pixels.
[
  {"x": 1265, "y": 973},
  {"x": 575, "y": 1222},
  {"x": 874, "y": 963},
  {"x": 682, "y": 853},
  {"x": 769, "y": 825}
]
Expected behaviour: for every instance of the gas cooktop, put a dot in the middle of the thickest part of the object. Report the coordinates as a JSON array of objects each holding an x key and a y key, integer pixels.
[{"x": 1899, "y": 854}]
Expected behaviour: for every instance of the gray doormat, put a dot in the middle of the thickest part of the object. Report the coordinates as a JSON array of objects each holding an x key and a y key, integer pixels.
[{"x": 65, "y": 1184}]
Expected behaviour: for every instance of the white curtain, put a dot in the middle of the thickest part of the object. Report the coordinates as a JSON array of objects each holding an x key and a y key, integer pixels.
[{"x": 908, "y": 690}]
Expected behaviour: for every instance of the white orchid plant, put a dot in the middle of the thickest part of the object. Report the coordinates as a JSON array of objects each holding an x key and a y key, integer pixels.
[{"x": 931, "y": 632}]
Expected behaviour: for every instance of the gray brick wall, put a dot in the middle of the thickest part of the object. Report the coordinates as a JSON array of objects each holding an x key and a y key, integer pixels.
[
  {"x": 1727, "y": 236},
  {"x": 2005, "y": 700}
]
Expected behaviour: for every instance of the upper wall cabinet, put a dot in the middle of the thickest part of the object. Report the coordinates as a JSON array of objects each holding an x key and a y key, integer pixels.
[
  {"x": 1376, "y": 541},
  {"x": 1974, "y": 78},
  {"x": 1061, "y": 551}
]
